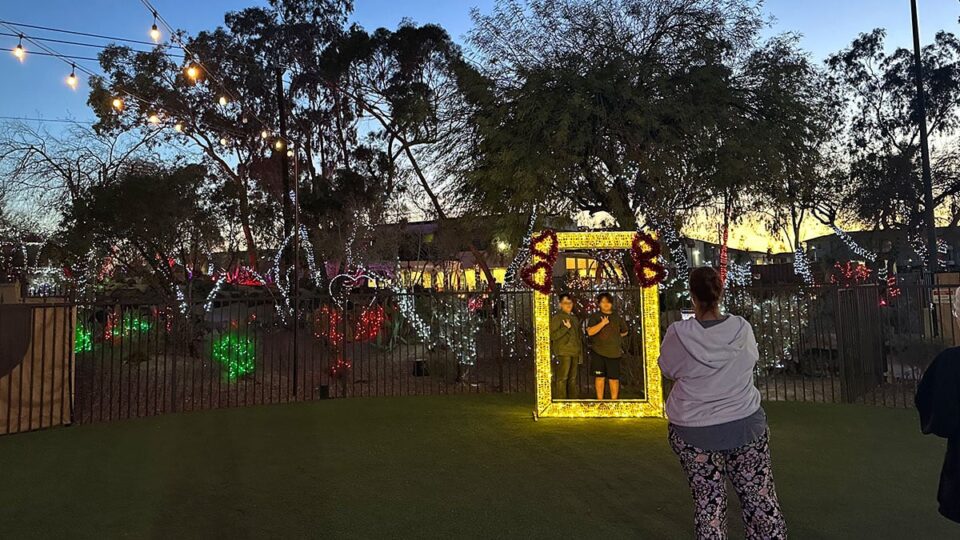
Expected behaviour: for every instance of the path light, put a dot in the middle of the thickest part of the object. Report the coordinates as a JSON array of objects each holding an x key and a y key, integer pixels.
[{"x": 72, "y": 78}]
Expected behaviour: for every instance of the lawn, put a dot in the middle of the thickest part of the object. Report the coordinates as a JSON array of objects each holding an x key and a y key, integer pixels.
[{"x": 447, "y": 467}]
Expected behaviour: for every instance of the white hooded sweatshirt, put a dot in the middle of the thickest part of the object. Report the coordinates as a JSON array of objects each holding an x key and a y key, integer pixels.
[{"x": 712, "y": 370}]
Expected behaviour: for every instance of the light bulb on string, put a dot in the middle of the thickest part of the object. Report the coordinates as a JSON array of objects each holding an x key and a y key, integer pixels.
[
  {"x": 224, "y": 141},
  {"x": 278, "y": 144},
  {"x": 154, "y": 31},
  {"x": 154, "y": 119},
  {"x": 19, "y": 51},
  {"x": 265, "y": 134},
  {"x": 178, "y": 127},
  {"x": 193, "y": 72},
  {"x": 289, "y": 153},
  {"x": 117, "y": 104},
  {"x": 223, "y": 100},
  {"x": 72, "y": 78}
]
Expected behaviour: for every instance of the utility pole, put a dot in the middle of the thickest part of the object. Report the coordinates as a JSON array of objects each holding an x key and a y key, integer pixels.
[
  {"x": 290, "y": 207},
  {"x": 932, "y": 257},
  {"x": 282, "y": 150}
]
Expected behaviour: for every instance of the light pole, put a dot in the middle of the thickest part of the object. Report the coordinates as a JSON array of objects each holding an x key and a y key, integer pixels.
[{"x": 932, "y": 259}]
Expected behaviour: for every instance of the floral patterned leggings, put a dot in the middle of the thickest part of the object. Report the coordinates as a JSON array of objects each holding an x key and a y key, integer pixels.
[{"x": 749, "y": 469}]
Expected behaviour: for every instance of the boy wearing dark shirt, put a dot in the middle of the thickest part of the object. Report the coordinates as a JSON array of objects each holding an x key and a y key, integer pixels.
[
  {"x": 565, "y": 343},
  {"x": 606, "y": 330}
]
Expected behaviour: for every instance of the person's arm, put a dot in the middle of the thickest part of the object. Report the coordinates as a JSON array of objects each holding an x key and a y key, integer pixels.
[
  {"x": 593, "y": 330},
  {"x": 557, "y": 328},
  {"x": 670, "y": 354}
]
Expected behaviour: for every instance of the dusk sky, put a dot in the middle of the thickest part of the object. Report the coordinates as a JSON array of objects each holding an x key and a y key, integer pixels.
[{"x": 36, "y": 89}]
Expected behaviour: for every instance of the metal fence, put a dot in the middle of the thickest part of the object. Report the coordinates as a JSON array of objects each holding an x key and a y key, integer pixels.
[
  {"x": 111, "y": 360},
  {"x": 858, "y": 344}
]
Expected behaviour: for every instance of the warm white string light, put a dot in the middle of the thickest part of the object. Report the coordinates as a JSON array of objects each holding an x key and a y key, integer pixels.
[
  {"x": 72, "y": 78},
  {"x": 155, "y": 34},
  {"x": 19, "y": 52}
]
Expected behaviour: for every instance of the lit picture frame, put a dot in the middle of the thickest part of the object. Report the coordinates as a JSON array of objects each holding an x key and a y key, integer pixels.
[{"x": 652, "y": 404}]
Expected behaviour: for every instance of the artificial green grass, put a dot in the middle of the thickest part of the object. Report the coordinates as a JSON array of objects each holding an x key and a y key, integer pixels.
[{"x": 448, "y": 467}]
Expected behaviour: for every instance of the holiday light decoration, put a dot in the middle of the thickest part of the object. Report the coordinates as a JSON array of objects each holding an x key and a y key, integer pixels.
[
  {"x": 208, "y": 305},
  {"x": 82, "y": 340},
  {"x": 19, "y": 52},
  {"x": 849, "y": 274},
  {"x": 522, "y": 255},
  {"x": 543, "y": 248},
  {"x": 133, "y": 324},
  {"x": 326, "y": 325},
  {"x": 155, "y": 34},
  {"x": 236, "y": 353},
  {"x": 72, "y": 80},
  {"x": 369, "y": 323},
  {"x": 340, "y": 369},
  {"x": 645, "y": 251},
  {"x": 801, "y": 266},
  {"x": 852, "y": 245},
  {"x": 652, "y": 404}
]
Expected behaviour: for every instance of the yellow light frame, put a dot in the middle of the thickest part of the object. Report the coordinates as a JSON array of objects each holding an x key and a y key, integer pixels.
[{"x": 652, "y": 404}]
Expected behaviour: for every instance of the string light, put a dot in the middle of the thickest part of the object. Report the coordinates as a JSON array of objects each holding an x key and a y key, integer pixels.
[
  {"x": 289, "y": 153},
  {"x": 278, "y": 144},
  {"x": 265, "y": 134},
  {"x": 154, "y": 119},
  {"x": 652, "y": 405},
  {"x": 801, "y": 266},
  {"x": 178, "y": 127},
  {"x": 223, "y": 100},
  {"x": 852, "y": 245},
  {"x": 224, "y": 141},
  {"x": 154, "y": 31},
  {"x": 19, "y": 51},
  {"x": 72, "y": 78},
  {"x": 193, "y": 72},
  {"x": 117, "y": 104}
]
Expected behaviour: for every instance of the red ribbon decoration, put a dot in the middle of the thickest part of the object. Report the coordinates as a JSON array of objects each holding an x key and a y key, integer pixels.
[
  {"x": 644, "y": 251},
  {"x": 543, "y": 261},
  {"x": 529, "y": 275},
  {"x": 553, "y": 249}
]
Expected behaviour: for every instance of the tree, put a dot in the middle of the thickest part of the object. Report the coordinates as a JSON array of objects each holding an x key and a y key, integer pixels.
[
  {"x": 154, "y": 219},
  {"x": 645, "y": 110},
  {"x": 228, "y": 105},
  {"x": 48, "y": 171},
  {"x": 406, "y": 82},
  {"x": 882, "y": 152}
]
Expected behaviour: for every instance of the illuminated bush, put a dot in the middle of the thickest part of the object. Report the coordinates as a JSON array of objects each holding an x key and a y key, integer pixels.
[
  {"x": 82, "y": 340},
  {"x": 237, "y": 354}
]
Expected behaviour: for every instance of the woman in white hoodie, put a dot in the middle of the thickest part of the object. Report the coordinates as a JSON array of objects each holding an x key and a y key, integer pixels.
[{"x": 717, "y": 426}]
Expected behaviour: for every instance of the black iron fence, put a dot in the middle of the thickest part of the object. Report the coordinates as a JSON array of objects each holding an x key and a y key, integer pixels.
[
  {"x": 861, "y": 344},
  {"x": 66, "y": 362}
]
